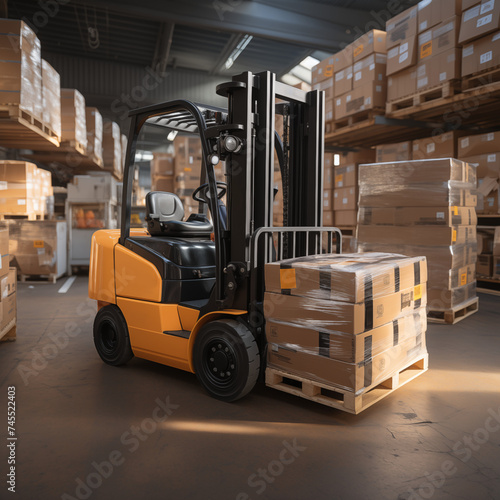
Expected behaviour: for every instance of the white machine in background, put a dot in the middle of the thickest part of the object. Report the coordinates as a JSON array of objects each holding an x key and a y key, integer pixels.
[{"x": 92, "y": 204}]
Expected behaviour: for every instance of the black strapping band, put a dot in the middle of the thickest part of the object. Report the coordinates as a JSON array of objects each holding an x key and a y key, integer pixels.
[
  {"x": 325, "y": 278},
  {"x": 286, "y": 291},
  {"x": 397, "y": 278},
  {"x": 368, "y": 361},
  {"x": 416, "y": 270},
  {"x": 324, "y": 344},
  {"x": 395, "y": 336},
  {"x": 368, "y": 302}
]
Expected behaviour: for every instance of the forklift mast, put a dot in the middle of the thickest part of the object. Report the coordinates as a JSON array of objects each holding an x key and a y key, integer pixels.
[{"x": 244, "y": 136}]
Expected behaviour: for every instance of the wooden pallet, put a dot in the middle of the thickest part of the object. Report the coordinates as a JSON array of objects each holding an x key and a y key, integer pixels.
[
  {"x": 434, "y": 94},
  {"x": 38, "y": 278},
  {"x": 455, "y": 314},
  {"x": 9, "y": 333},
  {"x": 21, "y": 129},
  {"x": 481, "y": 79},
  {"x": 347, "y": 230},
  {"x": 358, "y": 118},
  {"x": 25, "y": 216},
  {"x": 341, "y": 399}
]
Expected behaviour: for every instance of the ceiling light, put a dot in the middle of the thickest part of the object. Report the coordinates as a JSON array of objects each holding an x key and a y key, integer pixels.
[
  {"x": 290, "y": 79},
  {"x": 143, "y": 156},
  {"x": 238, "y": 50},
  {"x": 309, "y": 62}
]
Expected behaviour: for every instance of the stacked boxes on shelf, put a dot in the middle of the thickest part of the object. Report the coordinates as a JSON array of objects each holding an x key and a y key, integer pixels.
[
  {"x": 480, "y": 36},
  {"x": 163, "y": 172},
  {"x": 25, "y": 189},
  {"x": 20, "y": 67},
  {"x": 8, "y": 282},
  {"x": 112, "y": 149},
  {"x": 73, "y": 121},
  {"x": 51, "y": 98},
  {"x": 347, "y": 321},
  {"x": 484, "y": 151},
  {"x": 426, "y": 208},
  {"x": 322, "y": 79},
  {"x": 94, "y": 127}
]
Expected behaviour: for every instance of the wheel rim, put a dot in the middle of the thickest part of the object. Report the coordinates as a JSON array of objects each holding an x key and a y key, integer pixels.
[
  {"x": 109, "y": 340},
  {"x": 220, "y": 362}
]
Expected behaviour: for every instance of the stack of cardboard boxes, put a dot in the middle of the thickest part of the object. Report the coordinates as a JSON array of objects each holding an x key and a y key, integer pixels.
[
  {"x": 73, "y": 121},
  {"x": 24, "y": 188},
  {"x": 487, "y": 261},
  {"x": 360, "y": 76},
  {"x": 322, "y": 79},
  {"x": 480, "y": 36},
  {"x": 347, "y": 321},
  {"x": 93, "y": 119},
  {"x": 20, "y": 67},
  {"x": 112, "y": 149},
  {"x": 163, "y": 172},
  {"x": 426, "y": 208},
  {"x": 422, "y": 47},
  {"x": 51, "y": 97},
  {"x": 8, "y": 285}
]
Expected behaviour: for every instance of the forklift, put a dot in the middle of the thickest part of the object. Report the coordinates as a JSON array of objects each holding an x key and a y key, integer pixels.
[{"x": 189, "y": 293}]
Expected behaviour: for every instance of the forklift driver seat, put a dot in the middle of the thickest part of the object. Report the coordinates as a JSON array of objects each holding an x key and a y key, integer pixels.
[{"x": 164, "y": 214}]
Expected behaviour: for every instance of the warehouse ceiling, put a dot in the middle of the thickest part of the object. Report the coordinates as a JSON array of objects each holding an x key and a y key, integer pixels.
[{"x": 274, "y": 35}]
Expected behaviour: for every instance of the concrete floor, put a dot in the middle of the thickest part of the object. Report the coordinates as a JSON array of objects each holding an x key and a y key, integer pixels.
[{"x": 433, "y": 438}]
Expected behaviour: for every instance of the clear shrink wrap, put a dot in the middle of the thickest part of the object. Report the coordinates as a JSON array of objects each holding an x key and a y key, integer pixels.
[
  {"x": 93, "y": 120},
  {"x": 112, "y": 148},
  {"x": 73, "y": 120},
  {"x": 441, "y": 299},
  {"x": 51, "y": 97},
  {"x": 21, "y": 193},
  {"x": 350, "y": 278},
  {"x": 20, "y": 67}
]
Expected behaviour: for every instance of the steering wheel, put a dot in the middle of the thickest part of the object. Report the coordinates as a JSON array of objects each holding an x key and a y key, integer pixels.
[{"x": 202, "y": 193}]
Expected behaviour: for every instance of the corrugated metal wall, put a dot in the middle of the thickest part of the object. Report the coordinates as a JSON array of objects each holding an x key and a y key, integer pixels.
[{"x": 115, "y": 88}]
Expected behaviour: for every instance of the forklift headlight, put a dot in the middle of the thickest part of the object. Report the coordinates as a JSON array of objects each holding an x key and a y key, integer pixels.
[{"x": 231, "y": 144}]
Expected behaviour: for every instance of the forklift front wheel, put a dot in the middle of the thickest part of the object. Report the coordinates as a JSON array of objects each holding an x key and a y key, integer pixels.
[
  {"x": 111, "y": 336},
  {"x": 226, "y": 359}
]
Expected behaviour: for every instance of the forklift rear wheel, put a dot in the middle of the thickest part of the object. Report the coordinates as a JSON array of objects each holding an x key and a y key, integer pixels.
[
  {"x": 226, "y": 359},
  {"x": 111, "y": 336}
]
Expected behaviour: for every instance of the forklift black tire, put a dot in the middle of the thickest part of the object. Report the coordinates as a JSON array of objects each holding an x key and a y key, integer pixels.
[
  {"x": 111, "y": 336},
  {"x": 226, "y": 359}
]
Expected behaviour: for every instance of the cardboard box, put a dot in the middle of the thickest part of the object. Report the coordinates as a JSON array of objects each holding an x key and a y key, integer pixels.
[
  {"x": 496, "y": 242},
  {"x": 343, "y": 277},
  {"x": 488, "y": 165},
  {"x": 346, "y": 176},
  {"x": 485, "y": 241},
  {"x": 347, "y": 347},
  {"x": 97, "y": 187},
  {"x": 467, "y": 4},
  {"x": 328, "y": 200},
  {"x": 360, "y": 156},
  {"x": 188, "y": 155},
  {"x": 480, "y": 144},
  {"x": 414, "y": 216},
  {"x": 328, "y": 218},
  {"x": 399, "y": 151},
  {"x": 346, "y": 218},
  {"x": 481, "y": 55},
  {"x": 432, "y": 12},
  {"x": 163, "y": 164},
  {"x": 341, "y": 316},
  {"x": 496, "y": 268},
  {"x": 418, "y": 235},
  {"x": 323, "y": 70},
  {"x": 8, "y": 287},
  {"x": 343, "y": 59},
  {"x": 345, "y": 198},
  {"x": 439, "y": 146},
  {"x": 488, "y": 196},
  {"x": 418, "y": 172},
  {"x": 440, "y": 299},
  {"x": 23, "y": 195},
  {"x": 51, "y": 97},
  {"x": 371, "y": 68},
  {"x": 402, "y": 84},
  {"x": 373, "y": 41},
  {"x": 73, "y": 117},
  {"x": 163, "y": 183},
  {"x": 372, "y": 95},
  {"x": 343, "y": 81},
  {"x": 484, "y": 266},
  {"x": 401, "y": 27},
  {"x": 479, "y": 20},
  {"x": 94, "y": 124},
  {"x": 440, "y": 38},
  {"x": 436, "y": 70},
  {"x": 402, "y": 56}
]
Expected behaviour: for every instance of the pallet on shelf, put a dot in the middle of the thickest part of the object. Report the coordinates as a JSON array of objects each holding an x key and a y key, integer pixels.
[
  {"x": 69, "y": 155},
  {"x": 433, "y": 95},
  {"x": 37, "y": 278},
  {"x": 359, "y": 117},
  {"x": 455, "y": 314},
  {"x": 478, "y": 80},
  {"x": 9, "y": 333},
  {"x": 21, "y": 129},
  {"x": 341, "y": 399},
  {"x": 25, "y": 216}
]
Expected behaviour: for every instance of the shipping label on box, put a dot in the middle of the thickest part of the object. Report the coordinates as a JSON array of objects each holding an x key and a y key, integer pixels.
[
  {"x": 345, "y": 198},
  {"x": 401, "y": 27},
  {"x": 371, "y": 68},
  {"x": 323, "y": 70},
  {"x": 480, "y": 20},
  {"x": 439, "y": 39},
  {"x": 346, "y": 176},
  {"x": 402, "y": 56},
  {"x": 479, "y": 144},
  {"x": 481, "y": 55}
]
